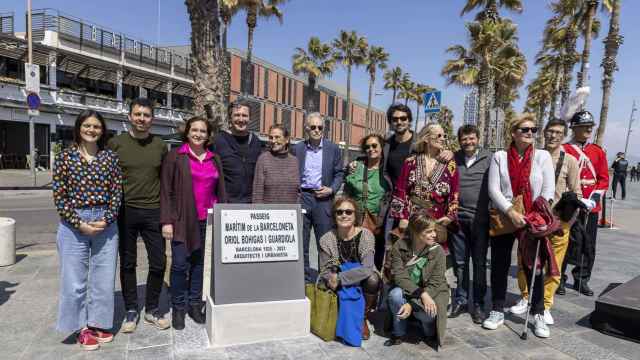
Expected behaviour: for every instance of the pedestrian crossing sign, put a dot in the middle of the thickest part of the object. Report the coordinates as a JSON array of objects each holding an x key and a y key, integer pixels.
[{"x": 432, "y": 102}]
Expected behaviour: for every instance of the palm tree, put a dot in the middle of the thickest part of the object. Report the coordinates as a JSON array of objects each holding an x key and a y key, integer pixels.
[
  {"x": 589, "y": 8},
  {"x": 255, "y": 8},
  {"x": 510, "y": 67},
  {"x": 555, "y": 61},
  {"x": 350, "y": 50},
  {"x": 393, "y": 79},
  {"x": 612, "y": 44},
  {"x": 406, "y": 89},
  {"x": 376, "y": 59},
  {"x": 539, "y": 97},
  {"x": 228, "y": 9},
  {"x": 317, "y": 61},
  {"x": 418, "y": 96},
  {"x": 208, "y": 66},
  {"x": 445, "y": 119},
  {"x": 490, "y": 8}
]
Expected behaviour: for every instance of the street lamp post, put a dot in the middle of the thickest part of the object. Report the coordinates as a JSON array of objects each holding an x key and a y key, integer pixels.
[
  {"x": 32, "y": 131},
  {"x": 631, "y": 120}
]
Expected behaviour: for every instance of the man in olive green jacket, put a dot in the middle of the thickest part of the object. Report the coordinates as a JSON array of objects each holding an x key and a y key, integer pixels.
[{"x": 433, "y": 286}]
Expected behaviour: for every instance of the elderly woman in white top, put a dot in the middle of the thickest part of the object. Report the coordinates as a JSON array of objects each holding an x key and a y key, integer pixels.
[{"x": 520, "y": 173}]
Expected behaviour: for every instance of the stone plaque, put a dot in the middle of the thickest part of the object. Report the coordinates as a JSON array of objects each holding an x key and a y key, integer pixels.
[{"x": 258, "y": 235}]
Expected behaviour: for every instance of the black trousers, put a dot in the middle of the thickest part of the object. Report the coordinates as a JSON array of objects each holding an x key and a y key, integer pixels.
[
  {"x": 134, "y": 222},
  {"x": 501, "y": 247},
  {"x": 537, "y": 296},
  {"x": 622, "y": 180},
  {"x": 582, "y": 273},
  {"x": 470, "y": 243},
  {"x": 318, "y": 217}
]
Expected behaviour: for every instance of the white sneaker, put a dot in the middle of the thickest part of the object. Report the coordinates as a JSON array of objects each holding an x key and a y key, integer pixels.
[
  {"x": 548, "y": 319},
  {"x": 520, "y": 307},
  {"x": 540, "y": 327},
  {"x": 494, "y": 320}
]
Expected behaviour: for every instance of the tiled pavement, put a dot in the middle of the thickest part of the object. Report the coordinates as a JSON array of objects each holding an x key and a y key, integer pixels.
[{"x": 28, "y": 300}]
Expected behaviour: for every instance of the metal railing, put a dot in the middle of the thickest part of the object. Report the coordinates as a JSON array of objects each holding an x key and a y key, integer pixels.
[
  {"x": 92, "y": 35},
  {"x": 6, "y": 23}
]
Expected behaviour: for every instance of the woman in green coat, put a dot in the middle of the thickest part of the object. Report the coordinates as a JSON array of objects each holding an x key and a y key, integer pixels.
[
  {"x": 419, "y": 287},
  {"x": 371, "y": 189}
]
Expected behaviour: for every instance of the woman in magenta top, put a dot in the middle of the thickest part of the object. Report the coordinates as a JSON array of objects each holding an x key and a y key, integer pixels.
[{"x": 192, "y": 182}]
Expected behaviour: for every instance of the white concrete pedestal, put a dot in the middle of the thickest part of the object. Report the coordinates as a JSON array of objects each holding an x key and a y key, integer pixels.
[
  {"x": 244, "y": 323},
  {"x": 7, "y": 241}
]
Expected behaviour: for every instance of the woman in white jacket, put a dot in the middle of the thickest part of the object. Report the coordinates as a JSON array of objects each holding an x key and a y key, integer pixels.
[{"x": 519, "y": 172}]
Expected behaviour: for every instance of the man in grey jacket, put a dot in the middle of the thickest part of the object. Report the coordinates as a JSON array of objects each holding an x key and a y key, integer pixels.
[{"x": 471, "y": 241}]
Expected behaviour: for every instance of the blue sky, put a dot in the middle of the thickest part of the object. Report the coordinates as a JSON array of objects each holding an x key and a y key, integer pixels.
[{"x": 415, "y": 33}]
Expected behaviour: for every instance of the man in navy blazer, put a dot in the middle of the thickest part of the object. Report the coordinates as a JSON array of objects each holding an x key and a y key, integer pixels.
[{"x": 321, "y": 173}]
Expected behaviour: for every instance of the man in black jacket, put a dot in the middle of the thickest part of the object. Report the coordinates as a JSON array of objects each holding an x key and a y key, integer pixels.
[
  {"x": 471, "y": 241},
  {"x": 619, "y": 166},
  {"x": 239, "y": 150}
]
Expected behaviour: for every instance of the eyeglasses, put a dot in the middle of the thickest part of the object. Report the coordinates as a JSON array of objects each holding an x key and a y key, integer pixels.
[
  {"x": 399, "y": 118},
  {"x": 341, "y": 212},
  {"x": 439, "y": 136},
  {"x": 314, "y": 127},
  {"x": 525, "y": 130},
  {"x": 371, "y": 146}
]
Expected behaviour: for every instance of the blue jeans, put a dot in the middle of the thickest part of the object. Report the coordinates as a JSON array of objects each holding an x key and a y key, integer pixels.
[
  {"x": 396, "y": 299},
  {"x": 186, "y": 272},
  {"x": 87, "y": 274}
]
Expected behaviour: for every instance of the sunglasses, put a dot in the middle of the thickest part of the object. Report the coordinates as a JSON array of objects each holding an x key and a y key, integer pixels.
[
  {"x": 371, "y": 146},
  {"x": 348, "y": 212},
  {"x": 314, "y": 127},
  {"x": 525, "y": 130},
  {"x": 439, "y": 136},
  {"x": 399, "y": 118}
]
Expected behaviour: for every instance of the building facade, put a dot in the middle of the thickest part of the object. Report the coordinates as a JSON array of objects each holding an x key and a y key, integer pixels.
[
  {"x": 471, "y": 107},
  {"x": 86, "y": 66}
]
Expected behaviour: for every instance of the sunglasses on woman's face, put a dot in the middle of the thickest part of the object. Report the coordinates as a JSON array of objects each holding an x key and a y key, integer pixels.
[
  {"x": 341, "y": 212},
  {"x": 314, "y": 127},
  {"x": 371, "y": 146},
  {"x": 439, "y": 136},
  {"x": 524, "y": 130}
]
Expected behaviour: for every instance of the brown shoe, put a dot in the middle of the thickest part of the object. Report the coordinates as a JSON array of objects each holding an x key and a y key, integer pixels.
[{"x": 369, "y": 305}]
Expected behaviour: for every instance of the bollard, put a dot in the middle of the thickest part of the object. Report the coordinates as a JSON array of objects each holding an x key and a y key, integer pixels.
[{"x": 7, "y": 241}]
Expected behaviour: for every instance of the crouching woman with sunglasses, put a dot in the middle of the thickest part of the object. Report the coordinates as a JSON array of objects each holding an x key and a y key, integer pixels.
[
  {"x": 419, "y": 287},
  {"x": 346, "y": 262}
]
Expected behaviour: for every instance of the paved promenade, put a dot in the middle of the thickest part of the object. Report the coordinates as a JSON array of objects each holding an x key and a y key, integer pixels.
[{"x": 28, "y": 305}]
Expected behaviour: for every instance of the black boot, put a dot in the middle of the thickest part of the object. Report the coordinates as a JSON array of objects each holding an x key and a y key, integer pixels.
[
  {"x": 478, "y": 315},
  {"x": 177, "y": 319},
  {"x": 583, "y": 288},
  {"x": 561, "y": 290},
  {"x": 196, "y": 312},
  {"x": 457, "y": 310}
]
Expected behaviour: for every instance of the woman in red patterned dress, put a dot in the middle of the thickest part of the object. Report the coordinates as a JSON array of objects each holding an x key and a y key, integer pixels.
[{"x": 427, "y": 185}]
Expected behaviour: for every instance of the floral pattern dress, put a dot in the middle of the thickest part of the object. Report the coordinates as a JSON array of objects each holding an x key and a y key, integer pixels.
[
  {"x": 78, "y": 184},
  {"x": 414, "y": 190}
]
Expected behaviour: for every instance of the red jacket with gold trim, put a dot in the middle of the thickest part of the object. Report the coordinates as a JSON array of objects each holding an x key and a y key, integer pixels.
[{"x": 594, "y": 171}]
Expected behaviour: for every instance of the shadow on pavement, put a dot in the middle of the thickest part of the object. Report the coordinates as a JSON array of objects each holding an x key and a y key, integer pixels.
[{"x": 5, "y": 291}]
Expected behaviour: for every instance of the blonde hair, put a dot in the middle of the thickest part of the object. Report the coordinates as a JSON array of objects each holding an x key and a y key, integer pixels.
[
  {"x": 422, "y": 145},
  {"x": 521, "y": 119}
]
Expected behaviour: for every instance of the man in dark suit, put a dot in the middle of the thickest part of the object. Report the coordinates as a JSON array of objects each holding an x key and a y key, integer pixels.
[{"x": 321, "y": 173}]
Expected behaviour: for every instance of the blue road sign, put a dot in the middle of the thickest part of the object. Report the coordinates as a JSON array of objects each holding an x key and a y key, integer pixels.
[
  {"x": 33, "y": 101},
  {"x": 432, "y": 102}
]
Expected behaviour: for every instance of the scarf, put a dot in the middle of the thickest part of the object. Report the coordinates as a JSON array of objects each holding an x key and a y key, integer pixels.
[{"x": 519, "y": 172}]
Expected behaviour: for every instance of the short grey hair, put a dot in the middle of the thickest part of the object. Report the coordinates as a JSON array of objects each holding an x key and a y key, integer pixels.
[{"x": 314, "y": 114}]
